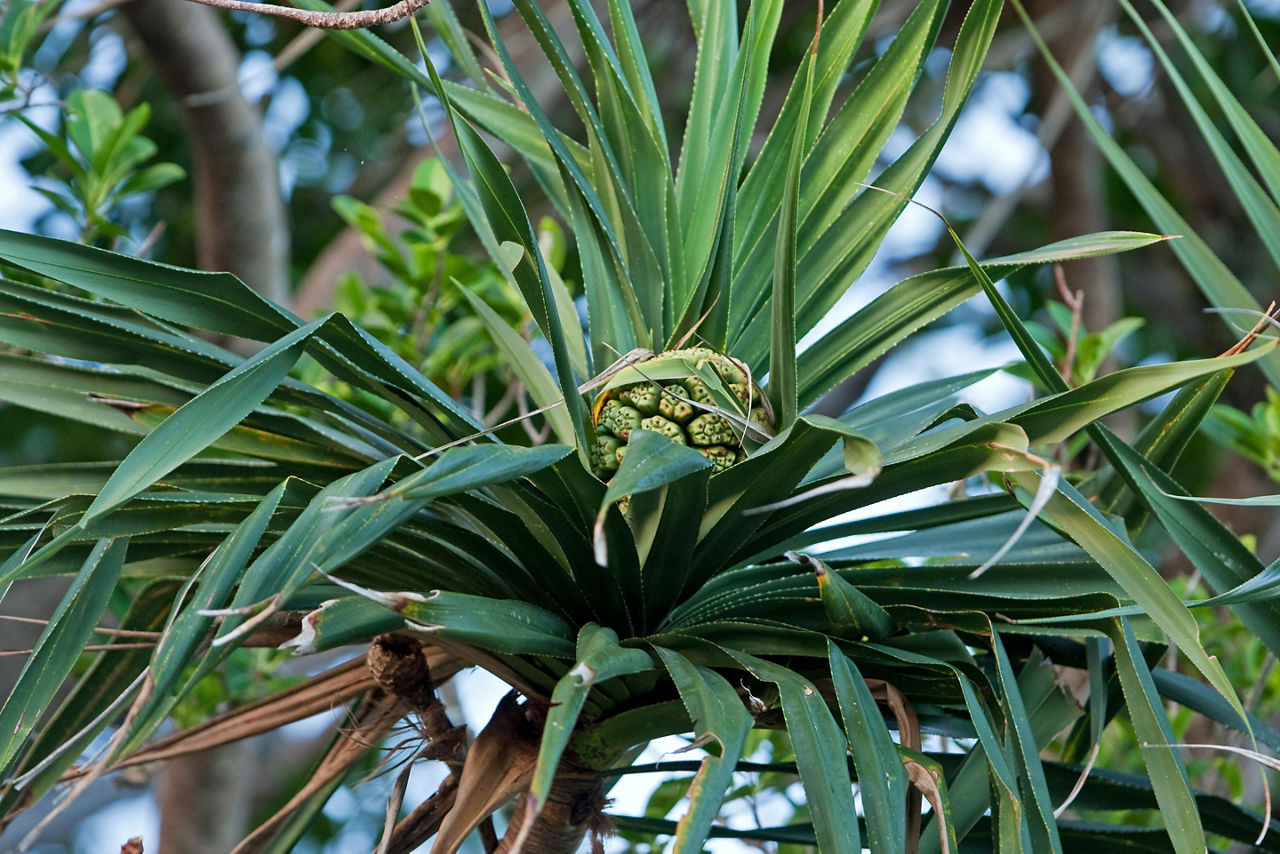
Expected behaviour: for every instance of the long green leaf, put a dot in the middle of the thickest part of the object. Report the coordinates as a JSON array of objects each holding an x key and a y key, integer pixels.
[
  {"x": 914, "y": 302},
  {"x": 717, "y": 713},
  {"x": 1219, "y": 285},
  {"x": 218, "y": 302},
  {"x": 100, "y": 693},
  {"x": 839, "y": 159},
  {"x": 473, "y": 466},
  {"x": 1069, "y": 511},
  {"x": 1260, "y": 147},
  {"x": 1026, "y": 751},
  {"x": 782, "y": 321},
  {"x": 842, "y": 33},
  {"x": 1164, "y": 767},
  {"x": 1215, "y": 551},
  {"x": 821, "y": 750},
  {"x": 322, "y": 537},
  {"x": 882, "y": 781},
  {"x": 505, "y": 626},
  {"x": 189, "y": 627},
  {"x": 59, "y": 646},
  {"x": 600, "y": 659},
  {"x": 510, "y": 222},
  {"x": 195, "y": 426},
  {"x": 1261, "y": 210}
]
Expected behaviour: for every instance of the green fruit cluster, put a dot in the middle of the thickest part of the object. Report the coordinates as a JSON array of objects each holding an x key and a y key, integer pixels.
[{"x": 682, "y": 408}]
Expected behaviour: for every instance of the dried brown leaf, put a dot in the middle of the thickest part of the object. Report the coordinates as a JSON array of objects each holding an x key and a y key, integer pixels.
[{"x": 499, "y": 766}]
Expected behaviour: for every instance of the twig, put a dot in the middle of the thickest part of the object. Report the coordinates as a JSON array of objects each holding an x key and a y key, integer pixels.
[
  {"x": 1267, "y": 318},
  {"x": 149, "y": 242},
  {"x": 1075, "y": 302},
  {"x": 304, "y": 41},
  {"x": 324, "y": 20},
  {"x": 247, "y": 627},
  {"x": 105, "y": 715},
  {"x": 114, "y": 633},
  {"x": 515, "y": 389},
  {"x": 536, "y": 436},
  {"x": 93, "y": 647},
  {"x": 394, "y": 802}
]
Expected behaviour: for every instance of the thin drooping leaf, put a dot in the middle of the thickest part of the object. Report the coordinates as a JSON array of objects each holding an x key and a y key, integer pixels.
[
  {"x": 782, "y": 321},
  {"x": 821, "y": 750},
  {"x": 1026, "y": 753},
  {"x": 717, "y": 713},
  {"x": 882, "y": 781},
  {"x": 218, "y": 302},
  {"x": 59, "y": 646},
  {"x": 1164, "y": 766},
  {"x": 599, "y": 659}
]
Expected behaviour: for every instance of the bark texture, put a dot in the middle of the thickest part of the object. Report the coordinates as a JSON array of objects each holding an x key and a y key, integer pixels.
[
  {"x": 573, "y": 807},
  {"x": 241, "y": 223},
  {"x": 203, "y": 807},
  {"x": 1079, "y": 204}
]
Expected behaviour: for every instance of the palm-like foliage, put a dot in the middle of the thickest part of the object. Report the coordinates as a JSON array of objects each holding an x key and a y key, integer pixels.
[{"x": 701, "y": 611}]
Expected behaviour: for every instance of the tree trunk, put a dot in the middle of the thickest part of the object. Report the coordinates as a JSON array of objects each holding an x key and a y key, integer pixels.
[
  {"x": 241, "y": 225},
  {"x": 1079, "y": 205},
  {"x": 202, "y": 797},
  {"x": 573, "y": 807}
]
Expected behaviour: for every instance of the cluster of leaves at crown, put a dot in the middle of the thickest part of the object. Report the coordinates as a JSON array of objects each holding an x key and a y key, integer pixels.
[{"x": 683, "y": 408}]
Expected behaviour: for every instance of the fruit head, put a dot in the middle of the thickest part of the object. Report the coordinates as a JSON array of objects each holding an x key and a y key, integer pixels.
[{"x": 666, "y": 395}]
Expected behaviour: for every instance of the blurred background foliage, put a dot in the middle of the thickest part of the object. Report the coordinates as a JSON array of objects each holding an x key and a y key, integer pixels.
[{"x": 98, "y": 129}]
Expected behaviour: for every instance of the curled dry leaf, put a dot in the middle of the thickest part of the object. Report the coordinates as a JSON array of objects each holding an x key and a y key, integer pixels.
[{"x": 499, "y": 766}]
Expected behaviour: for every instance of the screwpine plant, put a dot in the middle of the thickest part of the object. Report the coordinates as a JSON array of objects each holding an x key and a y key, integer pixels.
[{"x": 676, "y": 592}]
